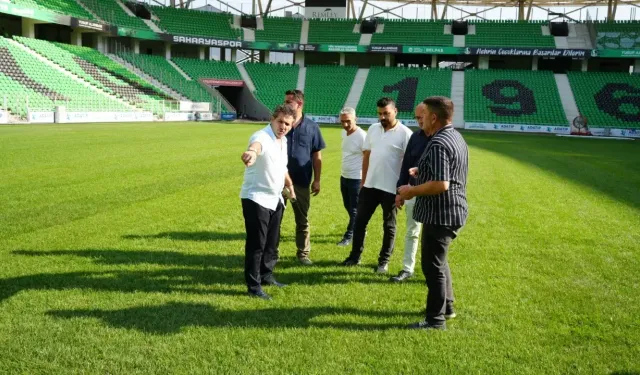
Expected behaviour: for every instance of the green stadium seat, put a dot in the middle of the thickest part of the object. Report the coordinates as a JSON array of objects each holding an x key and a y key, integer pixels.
[
  {"x": 66, "y": 7},
  {"x": 407, "y": 86},
  {"x": 111, "y": 12},
  {"x": 196, "y": 23},
  {"x": 197, "y": 68},
  {"x": 512, "y": 97},
  {"x": 607, "y": 100},
  {"x": 509, "y": 34},
  {"x": 413, "y": 33},
  {"x": 159, "y": 68},
  {"x": 619, "y": 34},
  {"x": 272, "y": 81},
  {"x": 29, "y": 84},
  {"x": 335, "y": 31},
  {"x": 326, "y": 88},
  {"x": 280, "y": 30}
]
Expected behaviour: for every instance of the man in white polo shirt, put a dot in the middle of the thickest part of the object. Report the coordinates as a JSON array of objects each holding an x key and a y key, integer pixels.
[
  {"x": 351, "y": 177},
  {"x": 262, "y": 203},
  {"x": 384, "y": 149}
]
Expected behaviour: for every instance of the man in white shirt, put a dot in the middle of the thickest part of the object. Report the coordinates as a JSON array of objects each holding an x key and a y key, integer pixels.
[
  {"x": 384, "y": 149},
  {"x": 351, "y": 177},
  {"x": 262, "y": 203}
]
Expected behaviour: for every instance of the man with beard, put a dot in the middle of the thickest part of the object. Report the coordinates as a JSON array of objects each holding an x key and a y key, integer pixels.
[
  {"x": 384, "y": 149},
  {"x": 351, "y": 175}
]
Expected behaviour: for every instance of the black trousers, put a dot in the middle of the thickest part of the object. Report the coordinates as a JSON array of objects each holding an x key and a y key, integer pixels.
[
  {"x": 261, "y": 246},
  {"x": 368, "y": 202},
  {"x": 350, "y": 188},
  {"x": 435, "y": 266}
]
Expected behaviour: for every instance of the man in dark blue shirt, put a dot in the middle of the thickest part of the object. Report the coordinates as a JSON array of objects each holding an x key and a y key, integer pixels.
[
  {"x": 305, "y": 144},
  {"x": 417, "y": 144}
]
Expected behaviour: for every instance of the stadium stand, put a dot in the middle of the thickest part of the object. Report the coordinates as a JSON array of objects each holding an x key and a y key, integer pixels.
[
  {"x": 98, "y": 59},
  {"x": 66, "y": 7},
  {"x": 280, "y": 30},
  {"x": 413, "y": 33},
  {"x": 112, "y": 13},
  {"x": 509, "y": 34},
  {"x": 196, "y": 23},
  {"x": 338, "y": 31},
  {"x": 512, "y": 97},
  {"x": 28, "y": 83},
  {"x": 159, "y": 68},
  {"x": 407, "y": 86},
  {"x": 607, "y": 100},
  {"x": 197, "y": 69},
  {"x": 327, "y": 87},
  {"x": 620, "y": 34},
  {"x": 120, "y": 86},
  {"x": 272, "y": 81}
]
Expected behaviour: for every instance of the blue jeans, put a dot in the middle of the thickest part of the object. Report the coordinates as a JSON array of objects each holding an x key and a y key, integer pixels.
[{"x": 350, "y": 189}]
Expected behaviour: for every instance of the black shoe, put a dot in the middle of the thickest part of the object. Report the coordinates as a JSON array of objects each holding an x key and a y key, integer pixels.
[
  {"x": 259, "y": 294},
  {"x": 427, "y": 326},
  {"x": 402, "y": 276},
  {"x": 381, "y": 269},
  {"x": 350, "y": 262},
  {"x": 274, "y": 283},
  {"x": 344, "y": 242}
]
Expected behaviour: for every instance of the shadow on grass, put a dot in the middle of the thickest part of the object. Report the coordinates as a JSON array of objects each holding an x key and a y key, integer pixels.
[
  {"x": 223, "y": 270},
  {"x": 611, "y": 167},
  {"x": 204, "y": 236},
  {"x": 173, "y": 317}
]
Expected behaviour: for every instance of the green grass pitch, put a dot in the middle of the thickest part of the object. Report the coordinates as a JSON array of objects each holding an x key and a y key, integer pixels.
[{"x": 121, "y": 251}]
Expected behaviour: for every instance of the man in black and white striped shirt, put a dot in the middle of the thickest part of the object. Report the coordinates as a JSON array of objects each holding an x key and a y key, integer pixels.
[{"x": 441, "y": 205}]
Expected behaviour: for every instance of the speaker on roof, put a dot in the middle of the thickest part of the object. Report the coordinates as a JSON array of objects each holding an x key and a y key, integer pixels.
[
  {"x": 368, "y": 26},
  {"x": 248, "y": 21},
  {"x": 559, "y": 28},
  {"x": 459, "y": 27}
]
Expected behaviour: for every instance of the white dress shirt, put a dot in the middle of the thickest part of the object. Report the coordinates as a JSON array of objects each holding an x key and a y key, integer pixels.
[
  {"x": 352, "y": 153},
  {"x": 387, "y": 150},
  {"x": 264, "y": 180}
]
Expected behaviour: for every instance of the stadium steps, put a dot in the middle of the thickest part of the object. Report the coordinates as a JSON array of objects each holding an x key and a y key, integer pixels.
[
  {"x": 249, "y": 35},
  {"x": 566, "y": 97},
  {"x": 176, "y": 95},
  {"x": 246, "y": 78},
  {"x": 356, "y": 88},
  {"x": 561, "y": 42},
  {"x": 457, "y": 96},
  {"x": 125, "y": 9},
  {"x": 214, "y": 92},
  {"x": 379, "y": 28},
  {"x": 579, "y": 36},
  {"x": 302, "y": 78},
  {"x": 459, "y": 40},
  {"x": 72, "y": 76},
  {"x": 304, "y": 32},
  {"x": 153, "y": 26},
  {"x": 89, "y": 11},
  {"x": 365, "y": 39},
  {"x": 259, "y": 23},
  {"x": 185, "y": 75}
]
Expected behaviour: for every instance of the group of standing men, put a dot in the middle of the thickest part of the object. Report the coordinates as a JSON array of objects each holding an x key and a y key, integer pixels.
[{"x": 389, "y": 166}]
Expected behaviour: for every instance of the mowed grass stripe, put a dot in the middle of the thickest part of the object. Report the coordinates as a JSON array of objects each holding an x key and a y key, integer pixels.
[{"x": 151, "y": 282}]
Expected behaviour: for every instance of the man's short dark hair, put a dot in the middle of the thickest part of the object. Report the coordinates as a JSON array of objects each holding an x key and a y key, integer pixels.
[
  {"x": 441, "y": 106},
  {"x": 299, "y": 95},
  {"x": 383, "y": 102},
  {"x": 285, "y": 110}
]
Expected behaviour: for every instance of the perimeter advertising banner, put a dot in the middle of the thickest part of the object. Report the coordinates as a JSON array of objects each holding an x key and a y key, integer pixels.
[{"x": 325, "y": 8}]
